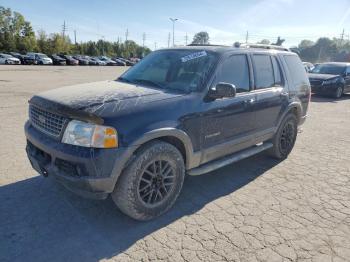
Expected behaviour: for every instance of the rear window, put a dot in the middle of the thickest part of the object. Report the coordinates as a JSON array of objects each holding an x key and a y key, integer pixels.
[{"x": 296, "y": 70}]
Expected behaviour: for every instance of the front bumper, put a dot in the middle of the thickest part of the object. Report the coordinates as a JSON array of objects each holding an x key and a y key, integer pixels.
[
  {"x": 324, "y": 89},
  {"x": 88, "y": 172}
]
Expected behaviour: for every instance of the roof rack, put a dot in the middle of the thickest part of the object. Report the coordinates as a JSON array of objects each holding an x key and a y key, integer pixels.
[
  {"x": 204, "y": 45},
  {"x": 273, "y": 47}
]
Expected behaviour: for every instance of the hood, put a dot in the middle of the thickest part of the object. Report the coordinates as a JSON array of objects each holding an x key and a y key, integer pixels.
[
  {"x": 321, "y": 76},
  {"x": 13, "y": 59},
  {"x": 94, "y": 98}
]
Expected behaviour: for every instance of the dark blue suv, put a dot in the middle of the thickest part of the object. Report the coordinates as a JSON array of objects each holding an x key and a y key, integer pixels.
[{"x": 183, "y": 110}]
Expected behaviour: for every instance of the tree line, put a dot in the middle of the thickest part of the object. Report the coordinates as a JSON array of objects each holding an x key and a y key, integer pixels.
[{"x": 17, "y": 35}]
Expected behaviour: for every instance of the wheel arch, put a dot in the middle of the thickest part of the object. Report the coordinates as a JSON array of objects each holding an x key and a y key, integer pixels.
[{"x": 294, "y": 108}]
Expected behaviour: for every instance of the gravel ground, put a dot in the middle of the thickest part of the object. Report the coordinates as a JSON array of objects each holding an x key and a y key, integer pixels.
[{"x": 256, "y": 210}]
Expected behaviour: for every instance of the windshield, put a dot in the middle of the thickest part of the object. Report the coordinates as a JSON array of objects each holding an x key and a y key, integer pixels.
[
  {"x": 42, "y": 56},
  {"x": 328, "y": 69},
  {"x": 183, "y": 70}
]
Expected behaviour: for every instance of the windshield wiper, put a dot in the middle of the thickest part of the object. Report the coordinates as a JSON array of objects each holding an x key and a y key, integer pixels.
[
  {"x": 124, "y": 79},
  {"x": 149, "y": 82}
]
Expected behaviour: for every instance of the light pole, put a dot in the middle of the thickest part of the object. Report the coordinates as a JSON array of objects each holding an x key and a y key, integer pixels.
[{"x": 173, "y": 20}]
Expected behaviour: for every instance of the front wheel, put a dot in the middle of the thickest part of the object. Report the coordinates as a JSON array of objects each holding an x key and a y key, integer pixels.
[
  {"x": 284, "y": 139},
  {"x": 338, "y": 92},
  {"x": 151, "y": 183}
]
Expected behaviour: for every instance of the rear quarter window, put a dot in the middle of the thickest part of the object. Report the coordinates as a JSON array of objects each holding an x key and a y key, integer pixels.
[{"x": 296, "y": 70}]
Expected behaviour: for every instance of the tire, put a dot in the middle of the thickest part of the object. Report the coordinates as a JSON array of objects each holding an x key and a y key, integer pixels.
[
  {"x": 338, "y": 92},
  {"x": 284, "y": 139},
  {"x": 138, "y": 193}
]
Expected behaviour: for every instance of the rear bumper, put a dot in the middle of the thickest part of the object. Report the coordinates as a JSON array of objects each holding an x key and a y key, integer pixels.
[{"x": 88, "y": 172}]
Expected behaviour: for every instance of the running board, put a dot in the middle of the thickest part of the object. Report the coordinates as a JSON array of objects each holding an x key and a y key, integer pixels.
[{"x": 216, "y": 164}]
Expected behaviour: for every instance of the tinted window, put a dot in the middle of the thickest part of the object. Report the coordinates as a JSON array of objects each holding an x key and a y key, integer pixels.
[
  {"x": 264, "y": 75},
  {"x": 183, "y": 70},
  {"x": 296, "y": 70},
  {"x": 348, "y": 70},
  {"x": 235, "y": 71},
  {"x": 277, "y": 71}
]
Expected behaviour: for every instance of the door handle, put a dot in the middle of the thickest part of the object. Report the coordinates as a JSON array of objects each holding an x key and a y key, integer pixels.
[{"x": 284, "y": 94}]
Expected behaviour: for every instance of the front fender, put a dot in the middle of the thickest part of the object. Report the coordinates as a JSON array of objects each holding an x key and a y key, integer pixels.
[{"x": 192, "y": 159}]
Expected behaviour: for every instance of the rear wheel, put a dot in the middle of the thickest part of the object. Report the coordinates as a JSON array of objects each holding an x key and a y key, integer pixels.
[
  {"x": 284, "y": 139},
  {"x": 151, "y": 183}
]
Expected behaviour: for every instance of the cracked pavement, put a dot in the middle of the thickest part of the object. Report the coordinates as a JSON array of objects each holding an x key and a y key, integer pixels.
[{"x": 256, "y": 210}]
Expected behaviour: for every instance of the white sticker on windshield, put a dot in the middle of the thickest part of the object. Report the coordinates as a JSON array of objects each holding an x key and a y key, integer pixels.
[{"x": 193, "y": 56}]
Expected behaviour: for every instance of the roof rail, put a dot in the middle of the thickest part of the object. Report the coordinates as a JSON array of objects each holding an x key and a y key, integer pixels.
[
  {"x": 263, "y": 46},
  {"x": 204, "y": 45}
]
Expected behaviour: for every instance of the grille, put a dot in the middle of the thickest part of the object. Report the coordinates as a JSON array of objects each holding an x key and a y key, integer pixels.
[
  {"x": 315, "y": 82},
  {"x": 47, "y": 122}
]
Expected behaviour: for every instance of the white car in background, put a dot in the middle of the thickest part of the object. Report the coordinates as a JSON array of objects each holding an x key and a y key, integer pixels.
[
  {"x": 40, "y": 59},
  {"x": 9, "y": 59}
]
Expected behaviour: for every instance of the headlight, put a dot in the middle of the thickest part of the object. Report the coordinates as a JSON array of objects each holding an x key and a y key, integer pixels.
[
  {"x": 331, "y": 81},
  {"x": 89, "y": 135}
]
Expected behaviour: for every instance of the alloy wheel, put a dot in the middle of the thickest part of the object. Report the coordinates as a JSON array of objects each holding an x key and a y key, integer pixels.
[{"x": 156, "y": 182}]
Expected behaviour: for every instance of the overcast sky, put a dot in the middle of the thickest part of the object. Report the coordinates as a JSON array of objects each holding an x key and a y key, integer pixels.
[{"x": 226, "y": 21}]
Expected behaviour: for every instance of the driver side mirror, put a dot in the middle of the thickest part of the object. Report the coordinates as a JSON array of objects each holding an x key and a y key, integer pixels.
[{"x": 222, "y": 90}]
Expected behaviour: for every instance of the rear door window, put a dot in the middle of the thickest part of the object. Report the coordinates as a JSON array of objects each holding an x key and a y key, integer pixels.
[
  {"x": 263, "y": 72},
  {"x": 277, "y": 71}
]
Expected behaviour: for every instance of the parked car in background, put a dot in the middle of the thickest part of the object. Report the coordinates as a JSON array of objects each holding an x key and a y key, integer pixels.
[
  {"x": 108, "y": 61},
  {"x": 25, "y": 60},
  {"x": 187, "y": 110},
  {"x": 82, "y": 61},
  {"x": 9, "y": 59},
  {"x": 308, "y": 66},
  {"x": 98, "y": 61},
  {"x": 91, "y": 61},
  {"x": 135, "y": 59},
  {"x": 40, "y": 59},
  {"x": 118, "y": 61},
  {"x": 69, "y": 59},
  {"x": 126, "y": 61},
  {"x": 57, "y": 60},
  {"x": 330, "y": 79}
]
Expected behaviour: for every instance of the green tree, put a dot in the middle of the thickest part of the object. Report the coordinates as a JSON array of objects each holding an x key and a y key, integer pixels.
[
  {"x": 201, "y": 38},
  {"x": 305, "y": 43},
  {"x": 264, "y": 42}
]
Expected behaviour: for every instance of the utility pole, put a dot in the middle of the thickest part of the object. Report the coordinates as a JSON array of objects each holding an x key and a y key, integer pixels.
[
  {"x": 64, "y": 29},
  {"x": 143, "y": 40},
  {"x": 169, "y": 40},
  {"x": 246, "y": 37},
  {"x": 186, "y": 39},
  {"x": 342, "y": 36},
  {"x": 155, "y": 45},
  {"x": 173, "y": 20},
  {"x": 126, "y": 34},
  {"x": 75, "y": 36}
]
